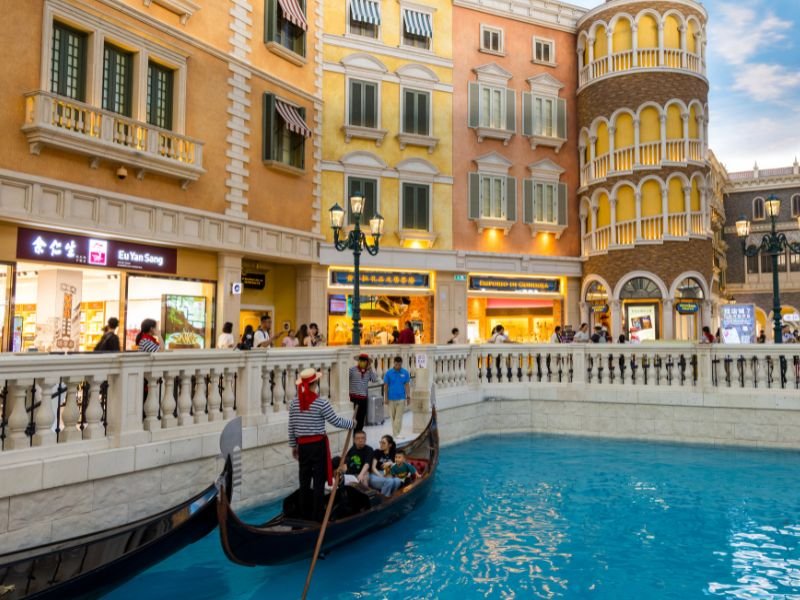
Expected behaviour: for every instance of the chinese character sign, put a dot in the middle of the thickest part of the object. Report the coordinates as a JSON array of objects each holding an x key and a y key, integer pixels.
[{"x": 738, "y": 323}]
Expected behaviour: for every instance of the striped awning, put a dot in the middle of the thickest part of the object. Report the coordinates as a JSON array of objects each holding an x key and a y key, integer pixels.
[
  {"x": 417, "y": 23},
  {"x": 293, "y": 12},
  {"x": 294, "y": 122},
  {"x": 365, "y": 11}
]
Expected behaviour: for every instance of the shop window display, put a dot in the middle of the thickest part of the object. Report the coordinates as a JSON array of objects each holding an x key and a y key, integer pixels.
[{"x": 380, "y": 315}]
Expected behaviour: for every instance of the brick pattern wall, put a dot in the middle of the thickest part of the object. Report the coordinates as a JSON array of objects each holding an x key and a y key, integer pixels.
[{"x": 667, "y": 261}]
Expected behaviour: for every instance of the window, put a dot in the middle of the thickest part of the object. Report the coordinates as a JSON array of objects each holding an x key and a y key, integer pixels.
[
  {"x": 544, "y": 51},
  {"x": 752, "y": 265},
  {"x": 117, "y": 80},
  {"x": 159, "y": 95},
  {"x": 367, "y": 189},
  {"x": 285, "y": 133},
  {"x": 69, "y": 63},
  {"x": 491, "y": 39},
  {"x": 417, "y": 29},
  {"x": 416, "y": 206},
  {"x": 286, "y": 25},
  {"x": 363, "y": 104},
  {"x": 416, "y": 112},
  {"x": 492, "y": 108},
  {"x": 492, "y": 197},
  {"x": 492, "y": 105},
  {"x": 544, "y": 116},
  {"x": 365, "y": 18},
  {"x": 545, "y": 203},
  {"x": 759, "y": 213},
  {"x": 796, "y": 205}
]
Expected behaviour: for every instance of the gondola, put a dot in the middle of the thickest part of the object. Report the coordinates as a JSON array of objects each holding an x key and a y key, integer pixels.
[
  {"x": 287, "y": 538},
  {"x": 91, "y": 565}
]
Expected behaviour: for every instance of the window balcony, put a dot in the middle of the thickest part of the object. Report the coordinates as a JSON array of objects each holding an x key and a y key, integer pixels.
[
  {"x": 626, "y": 61},
  {"x": 56, "y": 121},
  {"x": 647, "y": 230}
]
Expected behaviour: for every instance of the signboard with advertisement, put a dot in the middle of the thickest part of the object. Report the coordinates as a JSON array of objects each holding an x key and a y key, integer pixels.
[
  {"x": 516, "y": 285},
  {"x": 382, "y": 279},
  {"x": 642, "y": 322},
  {"x": 738, "y": 323},
  {"x": 66, "y": 248},
  {"x": 687, "y": 308}
]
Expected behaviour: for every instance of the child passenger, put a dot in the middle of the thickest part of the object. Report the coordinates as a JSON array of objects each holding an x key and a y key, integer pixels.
[{"x": 405, "y": 472}]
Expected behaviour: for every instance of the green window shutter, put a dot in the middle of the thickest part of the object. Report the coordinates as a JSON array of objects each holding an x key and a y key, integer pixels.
[
  {"x": 408, "y": 206},
  {"x": 527, "y": 200},
  {"x": 270, "y": 20},
  {"x": 268, "y": 138},
  {"x": 370, "y": 200},
  {"x": 511, "y": 199},
  {"x": 474, "y": 104},
  {"x": 527, "y": 113},
  {"x": 356, "y": 92},
  {"x": 423, "y": 111},
  {"x": 423, "y": 205},
  {"x": 474, "y": 196},
  {"x": 370, "y": 105},
  {"x": 408, "y": 111},
  {"x": 562, "y": 118},
  {"x": 562, "y": 204},
  {"x": 511, "y": 110},
  {"x": 302, "y": 141}
]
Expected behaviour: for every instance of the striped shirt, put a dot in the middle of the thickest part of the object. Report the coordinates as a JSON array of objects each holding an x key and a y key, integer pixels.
[
  {"x": 312, "y": 421},
  {"x": 148, "y": 344},
  {"x": 359, "y": 381}
]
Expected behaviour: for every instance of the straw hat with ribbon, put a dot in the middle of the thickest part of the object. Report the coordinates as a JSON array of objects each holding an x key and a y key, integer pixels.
[{"x": 305, "y": 395}]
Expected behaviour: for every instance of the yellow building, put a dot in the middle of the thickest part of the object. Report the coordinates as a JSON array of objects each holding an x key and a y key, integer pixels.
[
  {"x": 149, "y": 151},
  {"x": 386, "y": 131}
]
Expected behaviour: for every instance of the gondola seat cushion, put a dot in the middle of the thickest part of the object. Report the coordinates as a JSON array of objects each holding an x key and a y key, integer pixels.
[{"x": 419, "y": 464}]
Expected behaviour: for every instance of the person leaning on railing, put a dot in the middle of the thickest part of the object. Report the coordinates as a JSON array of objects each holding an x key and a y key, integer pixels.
[{"x": 147, "y": 338}]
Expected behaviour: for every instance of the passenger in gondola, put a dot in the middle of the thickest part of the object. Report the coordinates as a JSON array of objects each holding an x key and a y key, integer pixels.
[
  {"x": 402, "y": 470},
  {"x": 358, "y": 461},
  {"x": 307, "y": 415},
  {"x": 382, "y": 460}
]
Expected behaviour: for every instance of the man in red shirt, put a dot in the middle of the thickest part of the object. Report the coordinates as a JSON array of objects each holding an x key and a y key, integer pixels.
[{"x": 406, "y": 335}]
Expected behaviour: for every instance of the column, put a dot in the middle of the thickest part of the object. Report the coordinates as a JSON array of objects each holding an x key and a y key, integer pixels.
[
  {"x": 661, "y": 44},
  {"x": 584, "y": 312},
  {"x": 663, "y": 120},
  {"x": 311, "y": 296},
  {"x": 450, "y": 307},
  {"x": 421, "y": 392},
  {"x": 595, "y": 208},
  {"x": 637, "y": 153},
  {"x": 635, "y": 44},
  {"x": 616, "y": 317},
  {"x": 664, "y": 213},
  {"x": 584, "y": 231},
  {"x": 613, "y": 203},
  {"x": 592, "y": 156},
  {"x": 609, "y": 48},
  {"x": 701, "y": 134},
  {"x": 590, "y": 41},
  {"x": 683, "y": 46},
  {"x": 572, "y": 310},
  {"x": 668, "y": 330},
  {"x": 685, "y": 117},
  {"x": 612, "y": 145},
  {"x": 638, "y": 216},
  {"x": 687, "y": 207},
  {"x": 229, "y": 271},
  {"x": 706, "y": 314},
  {"x": 582, "y": 159}
]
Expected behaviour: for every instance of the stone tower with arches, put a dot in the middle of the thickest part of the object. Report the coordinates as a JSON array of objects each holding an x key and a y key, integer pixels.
[{"x": 647, "y": 220}]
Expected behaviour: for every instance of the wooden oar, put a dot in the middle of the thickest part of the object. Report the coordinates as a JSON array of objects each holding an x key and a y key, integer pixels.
[{"x": 328, "y": 510}]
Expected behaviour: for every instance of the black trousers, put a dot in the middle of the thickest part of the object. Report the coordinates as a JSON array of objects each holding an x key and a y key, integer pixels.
[
  {"x": 360, "y": 405},
  {"x": 313, "y": 474}
]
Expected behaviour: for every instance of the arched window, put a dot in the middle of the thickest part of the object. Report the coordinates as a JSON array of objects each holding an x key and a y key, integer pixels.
[
  {"x": 596, "y": 293},
  {"x": 689, "y": 289},
  {"x": 758, "y": 209},
  {"x": 796, "y": 205},
  {"x": 640, "y": 288}
]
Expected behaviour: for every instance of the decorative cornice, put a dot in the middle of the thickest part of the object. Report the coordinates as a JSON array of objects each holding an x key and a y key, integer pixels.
[{"x": 548, "y": 13}]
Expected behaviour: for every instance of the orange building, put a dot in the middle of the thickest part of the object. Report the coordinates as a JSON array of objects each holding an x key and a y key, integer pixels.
[
  {"x": 515, "y": 210},
  {"x": 153, "y": 152}
]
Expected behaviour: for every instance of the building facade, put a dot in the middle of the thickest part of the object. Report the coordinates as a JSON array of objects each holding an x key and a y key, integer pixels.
[
  {"x": 646, "y": 216},
  {"x": 750, "y": 278},
  {"x": 149, "y": 149}
]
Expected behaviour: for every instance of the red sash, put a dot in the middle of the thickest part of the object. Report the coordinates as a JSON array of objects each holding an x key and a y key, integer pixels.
[{"x": 310, "y": 439}]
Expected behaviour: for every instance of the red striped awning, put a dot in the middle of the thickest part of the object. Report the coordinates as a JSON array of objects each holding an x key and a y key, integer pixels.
[
  {"x": 293, "y": 13},
  {"x": 294, "y": 122}
]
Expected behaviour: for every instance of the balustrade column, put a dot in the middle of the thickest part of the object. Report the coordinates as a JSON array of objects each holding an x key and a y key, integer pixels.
[
  {"x": 637, "y": 152},
  {"x": 609, "y": 49},
  {"x": 592, "y": 156},
  {"x": 590, "y": 41},
  {"x": 687, "y": 207},
  {"x": 70, "y": 414},
  {"x": 702, "y": 138},
  {"x": 705, "y": 213},
  {"x": 584, "y": 231},
  {"x": 151, "y": 403},
  {"x": 594, "y": 228},
  {"x": 228, "y": 397},
  {"x": 638, "y": 197},
  {"x": 665, "y": 213},
  {"x": 168, "y": 401},
  {"x": 661, "y": 44},
  {"x": 612, "y": 145},
  {"x": 683, "y": 46},
  {"x": 613, "y": 204},
  {"x": 582, "y": 159},
  {"x": 635, "y": 44},
  {"x": 214, "y": 398},
  {"x": 17, "y": 414},
  {"x": 93, "y": 412},
  {"x": 44, "y": 415},
  {"x": 616, "y": 317},
  {"x": 185, "y": 398},
  {"x": 668, "y": 331},
  {"x": 266, "y": 391},
  {"x": 278, "y": 392},
  {"x": 199, "y": 399},
  {"x": 685, "y": 118},
  {"x": 663, "y": 119}
]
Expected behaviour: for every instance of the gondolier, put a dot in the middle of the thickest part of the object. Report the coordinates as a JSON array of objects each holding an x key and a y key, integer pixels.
[
  {"x": 360, "y": 377},
  {"x": 307, "y": 416}
]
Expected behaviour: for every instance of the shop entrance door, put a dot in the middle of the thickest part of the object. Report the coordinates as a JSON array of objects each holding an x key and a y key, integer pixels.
[{"x": 252, "y": 316}]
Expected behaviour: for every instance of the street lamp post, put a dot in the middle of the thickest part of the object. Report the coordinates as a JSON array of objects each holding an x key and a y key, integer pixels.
[
  {"x": 774, "y": 244},
  {"x": 356, "y": 241}
]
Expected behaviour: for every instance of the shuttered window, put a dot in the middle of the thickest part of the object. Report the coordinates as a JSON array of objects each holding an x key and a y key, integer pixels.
[
  {"x": 159, "y": 95},
  {"x": 363, "y": 104},
  {"x": 117, "y": 80},
  {"x": 544, "y": 116},
  {"x": 544, "y": 203},
  {"x": 492, "y": 197},
  {"x": 492, "y": 107},
  {"x": 416, "y": 206},
  {"x": 284, "y": 134},
  {"x": 285, "y": 24},
  {"x": 416, "y": 112},
  {"x": 367, "y": 189},
  {"x": 68, "y": 73}
]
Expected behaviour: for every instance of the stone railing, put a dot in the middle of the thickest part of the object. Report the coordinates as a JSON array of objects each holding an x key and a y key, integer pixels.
[
  {"x": 625, "y": 61},
  {"x": 103, "y": 135}
]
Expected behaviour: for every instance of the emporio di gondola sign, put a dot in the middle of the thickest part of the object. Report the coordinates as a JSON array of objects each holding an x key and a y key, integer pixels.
[
  {"x": 49, "y": 246},
  {"x": 519, "y": 285}
]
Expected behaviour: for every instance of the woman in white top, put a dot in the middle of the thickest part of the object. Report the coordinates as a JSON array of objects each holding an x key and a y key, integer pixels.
[
  {"x": 290, "y": 341},
  {"x": 225, "y": 339}
]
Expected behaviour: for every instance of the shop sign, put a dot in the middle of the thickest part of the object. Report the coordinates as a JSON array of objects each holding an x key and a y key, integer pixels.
[
  {"x": 254, "y": 281},
  {"x": 791, "y": 318},
  {"x": 459, "y": 277},
  {"x": 687, "y": 308},
  {"x": 388, "y": 279},
  {"x": 33, "y": 244},
  {"x": 738, "y": 323},
  {"x": 599, "y": 308},
  {"x": 515, "y": 285}
]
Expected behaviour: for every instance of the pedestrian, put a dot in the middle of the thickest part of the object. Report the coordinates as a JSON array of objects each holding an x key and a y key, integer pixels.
[
  {"x": 225, "y": 339},
  {"x": 110, "y": 340},
  {"x": 762, "y": 338},
  {"x": 302, "y": 335},
  {"x": 309, "y": 442},
  {"x": 707, "y": 337},
  {"x": 397, "y": 394},
  {"x": 395, "y": 336},
  {"x": 315, "y": 338},
  {"x": 454, "y": 336},
  {"x": 407, "y": 335},
  {"x": 290, "y": 341},
  {"x": 147, "y": 338},
  {"x": 582, "y": 335},
  {"x": 568, "y": 335},
  {"x": 556, "y": 337},
  {"x": 361, "y": 376},
  {"x": 246, "y": 342},
  {"x": 262, "y": 337},
  {"x": 598, "y": 337},
  {"x": 499, "y": 336}
]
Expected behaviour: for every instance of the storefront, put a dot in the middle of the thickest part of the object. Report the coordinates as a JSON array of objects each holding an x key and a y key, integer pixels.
[
  {"x": 388, "y": 299},
  {"x": 689, "y": 297},
  {"x": 641, "y": 304},
  {"x": 63, "y": 288},
  {"x": 599, "y": 311},
  {"x": 528, "y": 308}
]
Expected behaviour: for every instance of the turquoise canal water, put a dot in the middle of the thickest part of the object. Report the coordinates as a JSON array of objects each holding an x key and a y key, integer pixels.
[{"x": 548, "y": 517}]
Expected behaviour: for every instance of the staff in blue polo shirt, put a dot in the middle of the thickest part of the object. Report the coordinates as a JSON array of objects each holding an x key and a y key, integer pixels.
[{"x": 397, "y": 394}]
